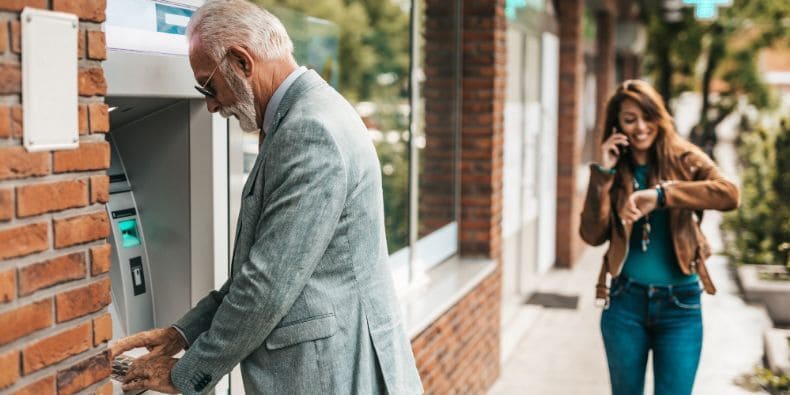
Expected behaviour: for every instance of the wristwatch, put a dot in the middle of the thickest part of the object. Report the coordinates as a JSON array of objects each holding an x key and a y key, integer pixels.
[
  {"x": 605, "y": 170},
  {"x": 661, "y": 198}
]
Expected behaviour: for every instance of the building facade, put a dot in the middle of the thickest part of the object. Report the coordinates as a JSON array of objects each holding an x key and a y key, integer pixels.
[{"x": 481, "y": 113}]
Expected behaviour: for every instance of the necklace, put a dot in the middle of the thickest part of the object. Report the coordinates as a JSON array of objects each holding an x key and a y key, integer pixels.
[{"x": 646, "y": 224}]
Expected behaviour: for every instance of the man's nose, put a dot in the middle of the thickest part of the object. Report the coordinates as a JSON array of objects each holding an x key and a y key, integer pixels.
[{"x": 212, "y": 104}]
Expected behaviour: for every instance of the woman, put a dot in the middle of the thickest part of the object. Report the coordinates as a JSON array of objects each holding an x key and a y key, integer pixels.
[{"x": 646, "y": 198}]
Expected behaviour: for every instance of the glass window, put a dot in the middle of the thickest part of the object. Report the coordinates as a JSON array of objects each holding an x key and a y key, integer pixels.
[
  {"x": 362, "y": 49},
  {"x": 400, "y": 70},
  {"x": 436, "y": 105}
]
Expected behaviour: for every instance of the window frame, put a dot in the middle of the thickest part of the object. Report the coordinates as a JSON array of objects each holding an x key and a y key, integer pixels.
[{"x": 410, "y": 263}]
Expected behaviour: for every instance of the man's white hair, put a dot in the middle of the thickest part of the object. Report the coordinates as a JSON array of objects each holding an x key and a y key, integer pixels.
[{"x": 218, "y": 24}]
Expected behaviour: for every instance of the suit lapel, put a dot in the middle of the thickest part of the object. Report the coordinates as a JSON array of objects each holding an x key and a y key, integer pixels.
[
  {"x": 244, "y": 193},
  {"x": 304, "y": 83}
]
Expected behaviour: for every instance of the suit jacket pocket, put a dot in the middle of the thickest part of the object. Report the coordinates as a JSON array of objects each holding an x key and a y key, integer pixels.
[{"x": 314, "y": 328}]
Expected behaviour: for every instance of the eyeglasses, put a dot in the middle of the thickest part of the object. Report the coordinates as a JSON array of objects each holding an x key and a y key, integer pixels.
[{"x": 204, "y": 89}]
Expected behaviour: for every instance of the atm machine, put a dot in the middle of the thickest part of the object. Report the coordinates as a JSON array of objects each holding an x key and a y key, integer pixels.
[
  {"x": 132, "y": 307},
  {"x": 162, "y": 206},
  {"x": 168, "y": 173}
]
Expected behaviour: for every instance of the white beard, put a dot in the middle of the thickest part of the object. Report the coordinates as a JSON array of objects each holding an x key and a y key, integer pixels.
[{"x": 244, "y": 109}]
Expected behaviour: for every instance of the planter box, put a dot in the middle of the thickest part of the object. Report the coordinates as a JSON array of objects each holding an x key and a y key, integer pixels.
[
  {"x": 777, "y": 350},
  {"x": 775, "y": 295}
]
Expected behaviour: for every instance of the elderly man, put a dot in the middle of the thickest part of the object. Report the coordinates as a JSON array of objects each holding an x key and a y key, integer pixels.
[{"x": 309, "y": 307}]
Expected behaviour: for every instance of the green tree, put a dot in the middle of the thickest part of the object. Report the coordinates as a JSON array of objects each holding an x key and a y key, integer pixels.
[
  {"x": 672, "y": 50},
  {"x": 782, "y": 188},
  {"x": 374, "y": 39},
  {"x": 727, "y": 50},
  {"x": 761, "y": 225},
  {"x": 373, "y": 63}
]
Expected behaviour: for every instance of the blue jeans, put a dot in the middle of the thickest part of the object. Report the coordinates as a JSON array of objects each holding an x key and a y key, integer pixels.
[{"x": 664, "y": 319}]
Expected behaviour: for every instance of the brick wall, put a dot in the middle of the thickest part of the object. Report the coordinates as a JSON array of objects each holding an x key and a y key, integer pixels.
[
  {"x": 482, "y": 133},
  {"x": 459, "y": 352},
  {"x": 630, "y": 65},
  {"x": 569, "y": 244},
  {"x": 54, "y": 262}
]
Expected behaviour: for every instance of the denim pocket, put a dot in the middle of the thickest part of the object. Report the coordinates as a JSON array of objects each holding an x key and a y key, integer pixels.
[
  {"x": 618, "y": 287},
  {"x": 687, "y": 300}
]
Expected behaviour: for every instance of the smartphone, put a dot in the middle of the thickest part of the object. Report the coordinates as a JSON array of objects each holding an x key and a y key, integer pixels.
[{"x": 622, "y": 148}]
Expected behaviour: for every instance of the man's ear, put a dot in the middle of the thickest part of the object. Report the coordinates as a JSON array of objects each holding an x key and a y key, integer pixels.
[{"x": 242, "y": 59}]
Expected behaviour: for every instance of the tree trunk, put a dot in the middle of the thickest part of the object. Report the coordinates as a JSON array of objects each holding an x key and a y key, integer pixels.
[{"x": 702, "y": 134}]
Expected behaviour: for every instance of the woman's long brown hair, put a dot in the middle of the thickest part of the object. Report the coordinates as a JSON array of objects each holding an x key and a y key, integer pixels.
[{"x": 667, "y": 149}]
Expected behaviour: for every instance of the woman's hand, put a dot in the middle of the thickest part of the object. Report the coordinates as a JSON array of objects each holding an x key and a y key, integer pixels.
[
  {"x": 610, "y": 150},
  {"x": 639, "y": 204}
]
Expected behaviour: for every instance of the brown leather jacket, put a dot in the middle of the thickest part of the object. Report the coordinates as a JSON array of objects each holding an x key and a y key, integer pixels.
[{"x": 696, "y": 186}]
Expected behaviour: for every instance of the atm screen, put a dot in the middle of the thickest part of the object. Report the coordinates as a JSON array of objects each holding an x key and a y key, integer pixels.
[{"x": 129, "y": 235}]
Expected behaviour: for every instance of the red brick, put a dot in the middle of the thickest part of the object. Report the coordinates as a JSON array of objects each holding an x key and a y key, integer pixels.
[
  {"x": 83, "y": 374},
  {"x": 56, "y": 348},
  {"x": 82, "y": 110},
  {"x": 5, "y": 119},
  {"x": 16, "y": 37},
  {"x": 81, "y": 44},
  {"x": 16, "y": 162},
  {"x": 3, "y": 37},
  {"x": 45, "y": 386},
  {"x": 6, "y": 205},
  {"x": 92, "y": 82},
  {"x": 89, "y": 156},
  {"x": 82, "y": 301},
  {"x": 99, "y": 118},
  {"x": 16, "y": 121},
  {"x": 97, "y": 45},
  {"x": 52, "y": 272},
  {"x": 570, "y": 109},
  {"x": 100, "y": 259},
  {"x": 105, "y": 389},
  {"x": 7, "y": 286},
  {"x": 100, "y": 189},
  {"x": 10, "y": 79},
  {"x": 9, "y": 368},
  {"x": 56, "y": 196},
  {"x": 88, "y": 10},
  {"x": 80, "y": 229},
  {"x": 102, "y": 329},
  {"x": 23, "y": 240},
  {"x": 25, "y": 320},
  {"x": 18, "y": 5}
]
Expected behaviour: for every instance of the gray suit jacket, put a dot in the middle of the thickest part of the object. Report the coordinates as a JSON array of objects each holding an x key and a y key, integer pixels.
[{"x": 309, "y": 307}]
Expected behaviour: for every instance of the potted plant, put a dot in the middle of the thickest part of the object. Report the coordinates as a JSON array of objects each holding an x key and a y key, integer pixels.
[
  {"x": 777, "y": 351},
  {"x": 761, "y": 226}
]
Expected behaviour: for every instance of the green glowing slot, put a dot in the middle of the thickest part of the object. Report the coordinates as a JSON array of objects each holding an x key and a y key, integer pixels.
[{"x": 129, "y": 234}]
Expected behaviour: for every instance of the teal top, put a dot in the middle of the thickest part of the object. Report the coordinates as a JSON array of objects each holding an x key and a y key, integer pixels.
[{"x": 658, "y": 265}]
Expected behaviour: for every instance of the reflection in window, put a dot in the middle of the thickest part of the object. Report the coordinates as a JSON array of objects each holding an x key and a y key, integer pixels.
[
  {"x": 362, "y": 49},
  {"x": 436, "y": 113}
]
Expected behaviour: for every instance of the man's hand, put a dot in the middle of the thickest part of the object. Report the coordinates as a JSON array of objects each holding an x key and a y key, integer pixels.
[
  {"x": 151, "y": 374},
  {"x": 639, "y": 204},
  {"x": 159, "y": 342}
]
